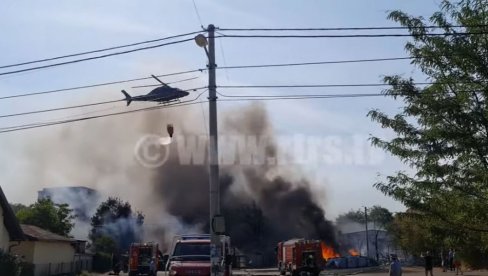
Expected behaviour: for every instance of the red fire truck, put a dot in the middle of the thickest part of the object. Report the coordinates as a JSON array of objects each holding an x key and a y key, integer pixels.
[
  {"x": 144, "y": 259},
  {"x": 299, "y": 256}
]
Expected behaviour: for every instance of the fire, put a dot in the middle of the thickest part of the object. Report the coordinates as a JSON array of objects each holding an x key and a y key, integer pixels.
[
  {"x": 353, "y": 252},
  {"x": 328, "y": 252}
]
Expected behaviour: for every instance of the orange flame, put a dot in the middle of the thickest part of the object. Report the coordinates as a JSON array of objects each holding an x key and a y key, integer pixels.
[
  {"x": 353, "y": 252},
  {"x": 328, "y": 252}
]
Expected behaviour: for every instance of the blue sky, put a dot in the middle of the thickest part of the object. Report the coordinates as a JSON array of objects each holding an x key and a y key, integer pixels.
[{"x": 38, "y": 29}]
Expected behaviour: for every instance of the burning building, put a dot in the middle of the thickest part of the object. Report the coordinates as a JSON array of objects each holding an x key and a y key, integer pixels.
[{"x": 380, "y": 243}]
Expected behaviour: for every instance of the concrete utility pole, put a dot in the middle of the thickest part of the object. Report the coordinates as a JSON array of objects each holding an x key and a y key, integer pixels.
[
  {"x": 367, "y": 235},
  {"x": 215, "y": 252}
]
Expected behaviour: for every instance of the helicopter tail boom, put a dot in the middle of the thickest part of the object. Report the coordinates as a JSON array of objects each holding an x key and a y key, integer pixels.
[{"x": 128, "y": 98}]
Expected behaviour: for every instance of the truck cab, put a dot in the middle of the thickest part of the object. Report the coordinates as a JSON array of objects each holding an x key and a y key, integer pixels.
[{"x": 190, "y": 255}]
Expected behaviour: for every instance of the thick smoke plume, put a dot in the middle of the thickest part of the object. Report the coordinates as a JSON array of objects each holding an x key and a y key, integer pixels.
[{"x": 263, "y": 204}]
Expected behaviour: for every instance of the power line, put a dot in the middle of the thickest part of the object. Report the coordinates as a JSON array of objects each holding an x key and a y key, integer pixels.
[
  {"x": 234, "y": 98},
  {"x": 95, "y": 57},
  {"x": 58, "y": 108},
  {"x": 97, "y": 51},
  {"x": 204, "y": 69},
  {"x": 96, "y": 85},
  {"x": 75, "y": 106},
  {"x": 296, "y": 97},
  {"x": 315, "y": 63},
  {"x": 286, "y": 65},
  {"x": 351, "y": 35},
  {"x": 351, "y": 28},
  {"x": 190, "y": 102},
  {"x": 31, "y": 126},
  {"x": 198, "y": 14},
  {"x": 317, "y": 85}
]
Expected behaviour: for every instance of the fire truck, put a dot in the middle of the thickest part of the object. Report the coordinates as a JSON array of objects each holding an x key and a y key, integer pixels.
[
  {"x": 144, "y": 259},
  {"x": 301, "y": 257},
  {"x": 190, "y": 255}
]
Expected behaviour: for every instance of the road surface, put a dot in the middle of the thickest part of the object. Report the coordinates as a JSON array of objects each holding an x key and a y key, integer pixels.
[{"x": 409, "y": 271}]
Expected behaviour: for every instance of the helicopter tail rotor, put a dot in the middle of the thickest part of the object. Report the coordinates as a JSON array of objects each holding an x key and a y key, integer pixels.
[{"x": 128, "y": 98}]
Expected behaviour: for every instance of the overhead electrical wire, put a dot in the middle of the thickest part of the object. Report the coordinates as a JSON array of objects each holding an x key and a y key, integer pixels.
[
  {"x": 346, "y": 35},
  {"x": 233, "y": 98},
  {"x": 373, "y": 28},
  {"x": 315, "y": 63},
  {"x": 31, "y": 126},
  {"x": 95, "y": 57},
  {"x": 205, "y": 69},
  {"x": 98, "y": 51},
  {"x": 77, "y": 106},
  {"x": 96, "y": 85},
  {"x": 229, "y": 87},
  {"x": 293, "y": 96},
  {"x": 198, "y": 14},
  {"x": 230, "y": 29},
  {"x": 297, "y": 97},
  {"x": 317, "y": 85},
  {"x": 221, "y": 35}
]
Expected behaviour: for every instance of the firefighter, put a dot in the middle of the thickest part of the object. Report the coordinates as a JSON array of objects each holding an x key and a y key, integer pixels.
[{"x": 310, "y": 267}]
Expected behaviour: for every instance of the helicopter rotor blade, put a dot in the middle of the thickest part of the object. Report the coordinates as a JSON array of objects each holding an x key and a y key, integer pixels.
[{"x": 156, "y": 78}]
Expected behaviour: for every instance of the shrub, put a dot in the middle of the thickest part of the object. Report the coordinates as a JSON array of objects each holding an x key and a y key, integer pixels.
[
  {"x": 9, "y": 264},
  {"x": 102, "y": 262}
]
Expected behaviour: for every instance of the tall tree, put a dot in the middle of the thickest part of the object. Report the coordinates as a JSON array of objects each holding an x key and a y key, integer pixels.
[
  {"x": 115, "y": 226},
  {"x": 442, "y": 130},
  {"x": 57, "y": 218},
  {"x": 17, "y": 207}
]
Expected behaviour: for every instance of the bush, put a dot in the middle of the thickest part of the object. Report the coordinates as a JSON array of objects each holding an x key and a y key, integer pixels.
[
  {"x": 27, "y": 269},
  {"x": 102, "y": 262},
  {"x": 9, "y": 264}
]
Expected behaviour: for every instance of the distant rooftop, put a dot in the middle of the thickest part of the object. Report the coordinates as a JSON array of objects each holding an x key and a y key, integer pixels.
[
  {"x": 68, "y": 188},
  {"x": 35, "y": 233}
]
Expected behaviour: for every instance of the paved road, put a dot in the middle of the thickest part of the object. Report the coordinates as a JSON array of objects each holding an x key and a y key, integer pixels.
[{"x": 410, "y": 271}]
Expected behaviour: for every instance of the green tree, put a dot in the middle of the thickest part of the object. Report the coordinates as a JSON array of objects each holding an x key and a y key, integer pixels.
[
  {"x": 115, "y": 226},
  {"x": 17, "y": 207},
  {"x": 57, "y": 218},
  {"x": 415, "y": 233},
  {"x": 442, "y": 129},
  {"x": 354, "y": 216}
]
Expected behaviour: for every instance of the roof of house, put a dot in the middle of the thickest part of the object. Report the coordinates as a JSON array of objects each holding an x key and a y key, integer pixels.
[
  {"x": 10, "y": 220},
  {"x": 35, "y": 233}
]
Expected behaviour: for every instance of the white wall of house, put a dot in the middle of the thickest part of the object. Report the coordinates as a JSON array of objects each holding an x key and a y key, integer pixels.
[
  {"x": 4, "y": 237},
  {"x": 53, "y": 252},
  {"x": 48, "y": 257}
]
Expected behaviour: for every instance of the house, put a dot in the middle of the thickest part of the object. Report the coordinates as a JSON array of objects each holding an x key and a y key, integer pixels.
[
  {"x": 9, "y": 226},
  {"x": 50, "y": 253}
]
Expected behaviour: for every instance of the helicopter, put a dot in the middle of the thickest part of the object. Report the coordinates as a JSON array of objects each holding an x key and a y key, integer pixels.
[{"x": 163, "y": 94}]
